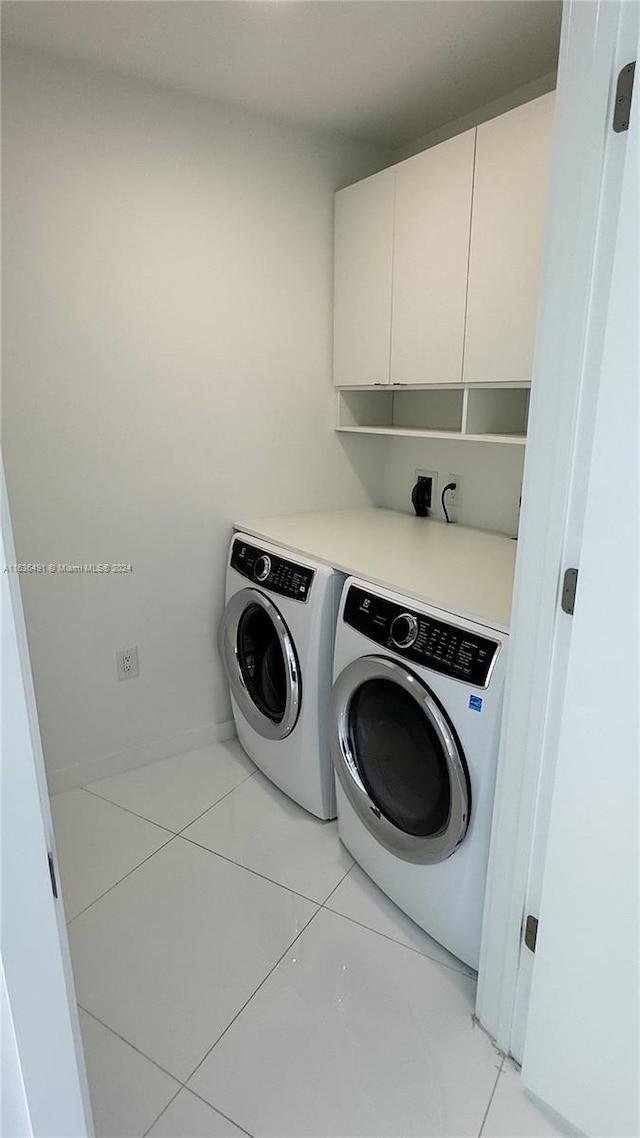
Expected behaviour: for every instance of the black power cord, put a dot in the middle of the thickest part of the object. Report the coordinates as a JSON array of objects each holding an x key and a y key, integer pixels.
[{"x": 449, "y": 486}]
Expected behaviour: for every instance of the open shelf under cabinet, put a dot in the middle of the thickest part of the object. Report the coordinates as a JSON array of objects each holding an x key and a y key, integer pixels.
[{"x": 471, "y": 414}]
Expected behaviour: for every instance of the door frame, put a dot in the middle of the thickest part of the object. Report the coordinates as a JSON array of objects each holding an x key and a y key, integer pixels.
[
  {"x": 586, "y": 977},
  {"x": 586, "y": 178},
  {"x": 46, "y": 1084}
]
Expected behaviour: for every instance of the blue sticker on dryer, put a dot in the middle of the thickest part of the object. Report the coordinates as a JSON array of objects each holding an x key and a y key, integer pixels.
[{"x": 475, "y": 702}]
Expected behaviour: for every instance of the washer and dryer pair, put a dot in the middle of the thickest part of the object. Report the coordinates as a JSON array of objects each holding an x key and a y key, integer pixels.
[{"x": 411, "y": 725}]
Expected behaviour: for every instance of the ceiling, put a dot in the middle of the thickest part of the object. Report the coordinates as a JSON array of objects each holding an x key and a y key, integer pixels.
[{"x": 387, "y": 71}]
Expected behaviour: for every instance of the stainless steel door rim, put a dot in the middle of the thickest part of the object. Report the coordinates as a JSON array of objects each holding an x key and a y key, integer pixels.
[
  {"x": 238, "y": 605},
  {"x": 418, "y": 849}
]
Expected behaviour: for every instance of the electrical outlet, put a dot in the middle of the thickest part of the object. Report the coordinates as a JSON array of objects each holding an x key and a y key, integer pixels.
[
  {"x": 429, "y": 474},
  {"x": 127, "y": 661},
  {"x": 453, "y": 497}
]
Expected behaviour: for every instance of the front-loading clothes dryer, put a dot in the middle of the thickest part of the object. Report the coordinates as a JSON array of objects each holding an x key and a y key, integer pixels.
[
  {"x": 276, "y": 642},
  {"x": 415, "y": 724}
]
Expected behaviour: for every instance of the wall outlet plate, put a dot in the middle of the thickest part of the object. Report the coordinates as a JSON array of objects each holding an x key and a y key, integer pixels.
[
  {"x": 127, "y": 663},
  {"x": 453, "y": 497}
]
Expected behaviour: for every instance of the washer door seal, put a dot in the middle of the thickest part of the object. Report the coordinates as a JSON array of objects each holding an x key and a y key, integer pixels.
[
  {"x": 399, "y": 760},
  {"x": 261, "y": 664}
]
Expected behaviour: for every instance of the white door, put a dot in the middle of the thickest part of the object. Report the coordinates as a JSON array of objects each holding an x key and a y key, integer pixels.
[
  {"x": 44, "y": 1089},
  {"x": 362, "y": 281},
  {"x": 581, "y": 1052},
  {"x": 587, "y": 175},
  {"x": 510, "y": 194},
  {"x": 430, "y": 261}
]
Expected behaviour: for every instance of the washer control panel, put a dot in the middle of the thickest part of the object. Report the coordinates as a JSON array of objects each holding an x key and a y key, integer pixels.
[
  {"x": 272, "y": 572},
  {"x": 443, "y": 647}
]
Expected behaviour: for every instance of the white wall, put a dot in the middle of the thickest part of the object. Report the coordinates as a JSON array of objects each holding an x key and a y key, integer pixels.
[
  {"x": 491, "y": 474},
  {"x": 167, "y": 368}
]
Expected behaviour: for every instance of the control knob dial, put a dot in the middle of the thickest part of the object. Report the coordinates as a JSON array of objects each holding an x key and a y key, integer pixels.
[
  {"x": 262, "y": 567},
  {"x": 404, "y": 630}
]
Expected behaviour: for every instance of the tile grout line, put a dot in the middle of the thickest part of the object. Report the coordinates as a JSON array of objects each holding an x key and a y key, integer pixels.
[
  {"x": 143, "y": 817},
  {"x": 433, "y": 959},
  {"x": 132, "y": 1046},
  {"x": 255, "y": 872},
  {"x": 324, "y": 904},
  {"x": 254, "y": 993},
  {"x": 121, "y": 879},
  {"x": 491, "y": 1096},
  {"x": 217, "y": 1109},
  {"x": 180, "y": 834},
  {"x": 240, "y": 1010},
  {"x": 159, "y": 1116},
  {"x": 343, "y": 878},
  {"x": 181, "y": 1086},
  {"x": 279, "y": 961},
  {"x": 409, "y": 947},
  {"x": 216, "y": 803},
  {"x": 126, "y": 809}
]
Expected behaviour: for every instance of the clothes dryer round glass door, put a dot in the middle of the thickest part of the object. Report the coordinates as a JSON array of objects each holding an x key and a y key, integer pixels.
[
  {"x": 399, "y": 760},
  {"x": 261, "y": 664}
]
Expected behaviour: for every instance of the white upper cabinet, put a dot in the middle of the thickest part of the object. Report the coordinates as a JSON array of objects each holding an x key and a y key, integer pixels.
[
  {"x": 437, "y": 260},
  {"x": 510, "y": 194},
  {"x": 430, "y": 258},
  {"x": 363, "y": 276}
]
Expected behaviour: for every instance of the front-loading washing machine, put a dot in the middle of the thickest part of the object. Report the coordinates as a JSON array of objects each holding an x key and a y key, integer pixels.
[
  {"x": 276, "y": 642},
  {"x": 415, "y": 719}
]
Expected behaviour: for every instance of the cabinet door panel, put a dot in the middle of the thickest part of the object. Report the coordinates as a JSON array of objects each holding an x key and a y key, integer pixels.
[
  {"x": 362, "y": 292},
  {"x": 431, "y": 250},
  {"x": 509, "y": 211}
]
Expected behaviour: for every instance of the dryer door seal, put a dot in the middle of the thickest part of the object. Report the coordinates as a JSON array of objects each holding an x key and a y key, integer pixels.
[
  {"x": 261, "y": 665},
  {"x": 399, "y": 760}
]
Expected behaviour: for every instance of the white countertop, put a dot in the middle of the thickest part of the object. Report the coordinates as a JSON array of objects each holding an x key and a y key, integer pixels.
[{"x": 462, "y": 570}]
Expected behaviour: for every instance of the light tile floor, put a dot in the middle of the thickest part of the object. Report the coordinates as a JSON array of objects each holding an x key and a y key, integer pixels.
[{"x": 237, "y": 974}]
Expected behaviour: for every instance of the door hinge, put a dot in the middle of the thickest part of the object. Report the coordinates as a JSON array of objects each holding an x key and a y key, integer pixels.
[
  {"x": 569, "y": 586},
  {"x": 531, "y": 932},
  {"x": 52, "y": 875},
  {"x": 624, "y": 93}
]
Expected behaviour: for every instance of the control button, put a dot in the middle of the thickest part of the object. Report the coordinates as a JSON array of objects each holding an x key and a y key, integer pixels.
[
  {"x": 262, "y": 568},
  {"x": 404, "y": 630}
]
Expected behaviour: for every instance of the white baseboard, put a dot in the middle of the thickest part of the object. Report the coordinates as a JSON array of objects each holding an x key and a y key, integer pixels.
[{"x": 81, "y": 773}]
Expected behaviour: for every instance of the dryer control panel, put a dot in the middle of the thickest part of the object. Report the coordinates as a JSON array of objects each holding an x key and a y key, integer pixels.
[
  {"x": 419, "y": 637},
  {"x": 271, "y": 572}
]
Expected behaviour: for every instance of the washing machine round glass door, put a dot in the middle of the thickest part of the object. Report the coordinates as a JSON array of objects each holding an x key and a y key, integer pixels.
[
  {"x": 399, "y": 760},
  {"x": 261, "y": 665}
]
